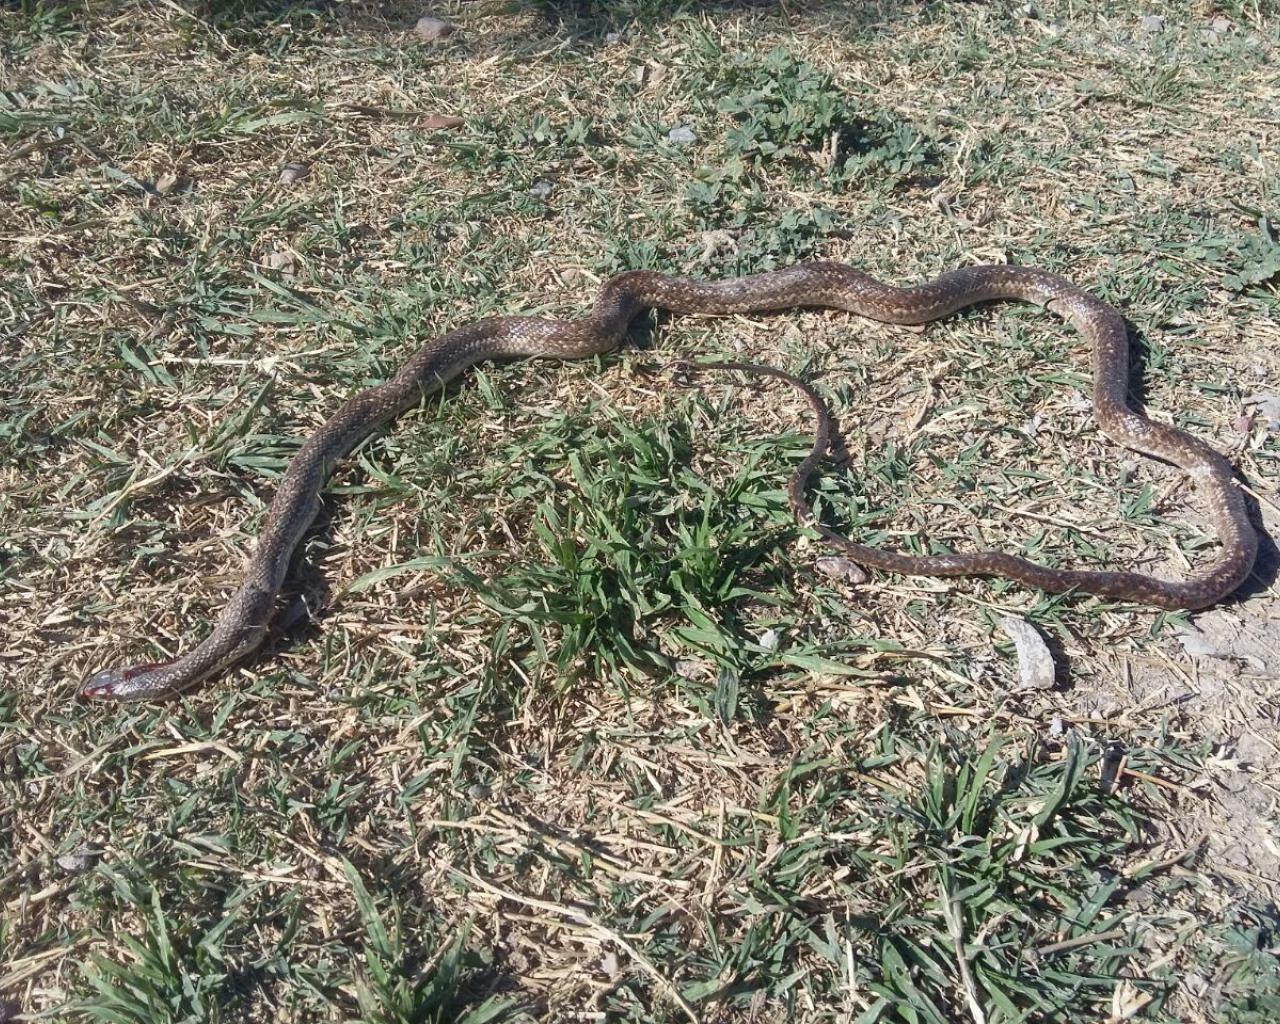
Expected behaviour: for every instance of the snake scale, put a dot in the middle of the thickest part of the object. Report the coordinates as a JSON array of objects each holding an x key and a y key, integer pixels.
[{"x": 242, "y": 624}]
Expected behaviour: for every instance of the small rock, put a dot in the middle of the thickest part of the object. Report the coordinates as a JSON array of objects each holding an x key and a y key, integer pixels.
[
  {"x": 1197, "y": 644},
  {"x": 431, "y": 29},
  {"x": 434, "y": 121},
  {"x": 281, "y": 259},
  {"x": 1140, "y": 898},
  {"x": 1113, "y": 754},
  {"x": 613, "y": 37},
  {"x": 714, "y": 242},
  {"x": 694, "y": 669},
  {"x": 1221, "y": 26},
  {"x": 541, "y": 188},
  {"x": 941, "y": 201},
  {"x": 166, "y": 182},
  {"x": 1057, "y": 727},
  {"x": 80, "y": 861},
  {"x": 1152, "y": 23},
  {"x": 1252, "y": 749},
  {"x": 841, "y": 569},
  {"x": 682, "y": 136},
  {"x": 769, "y": 639},
  {"x": 1035, "y": 663},
  {"x": 291, "y": 173},
  {"x": 1268, "y": 406}
]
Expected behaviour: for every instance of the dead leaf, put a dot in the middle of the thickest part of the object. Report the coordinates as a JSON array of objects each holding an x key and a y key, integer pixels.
[{"x": 1127, "y": 1001}]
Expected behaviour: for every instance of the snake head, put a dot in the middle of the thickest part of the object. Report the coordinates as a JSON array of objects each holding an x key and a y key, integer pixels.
[{"x": 117, "y": 684}]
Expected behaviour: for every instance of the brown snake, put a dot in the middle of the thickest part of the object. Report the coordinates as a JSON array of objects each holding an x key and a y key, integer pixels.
[{"x": 243, "y": 622}]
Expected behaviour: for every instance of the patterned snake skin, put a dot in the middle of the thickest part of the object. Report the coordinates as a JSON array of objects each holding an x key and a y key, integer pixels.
[{"x": 243, "y": 623}]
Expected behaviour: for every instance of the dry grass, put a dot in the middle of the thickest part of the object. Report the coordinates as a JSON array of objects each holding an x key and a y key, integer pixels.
[{"x": 577, "y": 732}]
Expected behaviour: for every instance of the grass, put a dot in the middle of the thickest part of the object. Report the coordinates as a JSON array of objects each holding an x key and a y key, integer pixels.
[{"x": 576, "y": 729}]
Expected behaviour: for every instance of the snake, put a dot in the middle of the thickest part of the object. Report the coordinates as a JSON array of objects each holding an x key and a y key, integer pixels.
[{"x": 242, "y": 624}]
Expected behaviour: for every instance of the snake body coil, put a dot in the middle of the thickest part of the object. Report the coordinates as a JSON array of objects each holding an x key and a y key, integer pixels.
[{"x": 243, "y": 622}]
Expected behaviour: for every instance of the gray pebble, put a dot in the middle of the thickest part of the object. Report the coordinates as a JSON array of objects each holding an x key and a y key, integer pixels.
[
  {"x": 841, "y": 569},
  {"x": 80, "y": 861},
  {"x": 293, "y": 172},
  {"x": 430, "y": 29}
]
